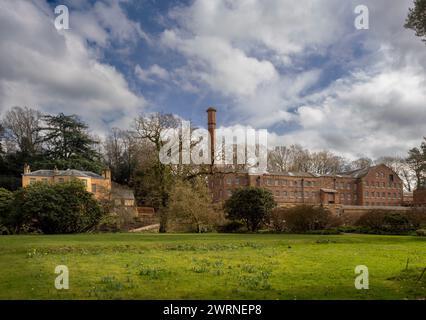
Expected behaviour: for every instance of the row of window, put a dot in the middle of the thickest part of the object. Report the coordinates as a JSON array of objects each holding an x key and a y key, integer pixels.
[
  {"x": 236, "y": 181},
  {"x": 348, "y": 196},
  {"x": 298, "y": 183},
  {"x": 380, "y": 175},
  {"x": 295, "y": 194},
  {"x": 389, "y": 195},
  {"x": 307, "y": 183},
  {"x": 377, "y": 184},
  {"x": 124, "y": 202},
  {"x": 347, "y": 186}
]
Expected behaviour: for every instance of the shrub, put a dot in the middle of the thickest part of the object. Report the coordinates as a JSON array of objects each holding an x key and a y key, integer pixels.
[
  {"x": 303, "y": 218},
  {"x": 392, "y": 222},
  {"x": 190, "y": 207},
  {"x": 109, "y": 223},
  {"x": 421, "y": 232},
  {"x": 6, "y": 198},
  {"x": 251, "y": 206},
  {"x": 417, "y": 217},
  {"x": 58, "y": 208},
  {"x": 278, "y": 219}
]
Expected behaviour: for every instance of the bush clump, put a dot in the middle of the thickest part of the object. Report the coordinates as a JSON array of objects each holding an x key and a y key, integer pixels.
[
  {"x": 251, "y": 205},
  {"x": 421, "y": 232},
  {"x": 302, "y": 219},
  {"x": 391, "y": 222},
  {"x": 52, "y": 209}
]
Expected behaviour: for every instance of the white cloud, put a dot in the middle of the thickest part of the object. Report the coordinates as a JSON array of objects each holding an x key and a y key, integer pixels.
[
  {"x": 225, "y": 68},
  {"x": 153, "y": 73},
  {"x": 57, "y": 71},
  {"x": 367, "y": 114},
  {"x": 246, "y": 50},
  {"x": 258, "y": 54}
]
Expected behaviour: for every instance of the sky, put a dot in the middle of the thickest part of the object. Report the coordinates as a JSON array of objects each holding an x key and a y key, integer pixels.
[{"x": 299, "y": 69}]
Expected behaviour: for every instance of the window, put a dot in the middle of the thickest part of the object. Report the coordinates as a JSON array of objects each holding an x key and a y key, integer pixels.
[
  {"x": 61, "y": 180},
  {"x": 129, "y": 203},
  {"x": 237, "y": 181},
  {"x": 33, "y": 180},
  {"x": 228, "y": 181},
  {"x": 84, "y": 181},
  {"x": 44, "y": 180},
  {"x": 367, "y": 194},
  {"x": 94, "y": 188},
  {"x": 391, "y": 178}
]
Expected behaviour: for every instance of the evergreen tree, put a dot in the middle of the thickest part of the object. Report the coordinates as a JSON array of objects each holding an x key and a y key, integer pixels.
[
  {"x": 416, "y": 19},
  {"x": 67, "y": 144}
]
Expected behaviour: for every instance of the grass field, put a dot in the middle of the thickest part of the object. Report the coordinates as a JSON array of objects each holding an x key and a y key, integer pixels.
[{"x": 211, "y": 266}]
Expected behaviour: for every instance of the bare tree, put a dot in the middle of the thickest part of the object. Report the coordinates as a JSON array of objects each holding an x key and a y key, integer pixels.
[
  {"x": 149, "y": 128},
  {"x": 190, "y": 204},
  {"x": 326, "y": 162},
  {"x": 361, "y": 163},
  {"x": 280, "y": 159},
  {"x": 402, "y": 169},
  {"x": 295, "y": 158},
  {"x": 22, "y": 129},
  {"x": 123, "y": 152},
  {"x": 417, "y": 162}
]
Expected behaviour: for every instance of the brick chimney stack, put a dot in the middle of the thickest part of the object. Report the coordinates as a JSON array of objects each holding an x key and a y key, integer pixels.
[
  {"x": 27, "y": 169},
  {"x": 106, "y": 173},
  {"x": 211, "y": 124}
]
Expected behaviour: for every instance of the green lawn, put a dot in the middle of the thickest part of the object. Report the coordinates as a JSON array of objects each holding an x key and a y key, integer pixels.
[{"x": 211, "y": 266}]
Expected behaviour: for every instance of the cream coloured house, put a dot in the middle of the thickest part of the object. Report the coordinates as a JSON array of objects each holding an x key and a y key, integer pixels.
[{"x": 99, "y": 185}]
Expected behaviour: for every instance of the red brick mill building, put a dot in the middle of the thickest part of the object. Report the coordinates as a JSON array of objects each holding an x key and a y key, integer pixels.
[{"x": 377, "y": 186}]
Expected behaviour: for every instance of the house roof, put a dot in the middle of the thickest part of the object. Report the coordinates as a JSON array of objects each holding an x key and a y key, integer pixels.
[
  {"x": 64, "y": 173},
  {"x": 293, "y": 174},
  {"x": 359, "y": 173}
]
